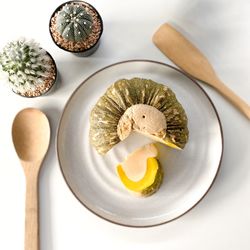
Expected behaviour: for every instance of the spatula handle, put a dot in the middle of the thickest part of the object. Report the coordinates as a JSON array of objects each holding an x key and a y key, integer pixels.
[
  {"x": 233, "y": 98},
  {"x": 31, "y": 211}
]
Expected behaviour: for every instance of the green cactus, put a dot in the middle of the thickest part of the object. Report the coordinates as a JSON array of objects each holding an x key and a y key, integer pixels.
[
  {"x": 73, "y": 23},
  {"x": 25, "y": 65}
]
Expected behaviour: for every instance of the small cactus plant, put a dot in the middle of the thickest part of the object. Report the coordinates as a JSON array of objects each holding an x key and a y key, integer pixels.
[
  {"x": 27, "y": 67},
  {"x": 74, "y": 23},
  {"x": 76, "y": 26}
]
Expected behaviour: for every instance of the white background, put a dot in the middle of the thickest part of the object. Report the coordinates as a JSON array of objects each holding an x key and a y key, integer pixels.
[{"x": 221, "y": 29}]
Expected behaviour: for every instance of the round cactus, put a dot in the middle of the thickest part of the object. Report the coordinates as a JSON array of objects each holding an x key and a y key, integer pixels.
[
  {"x": 25, "y": 65},
  {"x": 74, "y": 23}
]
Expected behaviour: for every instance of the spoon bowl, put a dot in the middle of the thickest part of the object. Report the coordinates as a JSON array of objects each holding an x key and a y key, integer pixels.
[
  {"x": 31, "y": 133},
  {"x": 31, "y": 137}
]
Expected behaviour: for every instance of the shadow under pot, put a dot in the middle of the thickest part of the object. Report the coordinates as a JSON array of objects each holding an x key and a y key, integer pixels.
[
  {"x": 29, "y": 70},
  {"x": 76, "y": 27}
]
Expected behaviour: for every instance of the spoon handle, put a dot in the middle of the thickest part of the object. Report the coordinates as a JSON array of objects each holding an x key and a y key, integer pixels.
[{"x": 31, "y": 207}]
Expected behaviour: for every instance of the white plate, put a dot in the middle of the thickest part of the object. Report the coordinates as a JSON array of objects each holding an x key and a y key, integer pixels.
[{"x": 189, "y": 174}]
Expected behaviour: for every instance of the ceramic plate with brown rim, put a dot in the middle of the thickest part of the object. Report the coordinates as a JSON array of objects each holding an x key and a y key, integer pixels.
[{"x": 189, "y": 173}]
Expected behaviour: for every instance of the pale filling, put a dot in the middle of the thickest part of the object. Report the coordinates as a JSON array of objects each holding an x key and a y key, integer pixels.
[
  {"x": 135, "y": 165},
  {"x": 143, "y": 118}
]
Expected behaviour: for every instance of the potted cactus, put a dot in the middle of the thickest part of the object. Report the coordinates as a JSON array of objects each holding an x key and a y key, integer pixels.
[
  {"x": 76, "y": 26},
  {"x": 30, "y": 71}
]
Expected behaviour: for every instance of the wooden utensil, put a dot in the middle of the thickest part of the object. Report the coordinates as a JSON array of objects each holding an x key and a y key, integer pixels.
[
  {"x": 185, "y": 55},
  {"x": 31, "y": 136}
]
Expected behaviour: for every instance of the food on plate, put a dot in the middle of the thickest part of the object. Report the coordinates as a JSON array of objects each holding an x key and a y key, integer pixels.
[
  {"x": 140, "y": 105},
  {"x": 141, "y": 172}
]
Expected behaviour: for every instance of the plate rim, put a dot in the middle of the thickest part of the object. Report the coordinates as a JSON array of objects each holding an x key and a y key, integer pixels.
[{"x": 168, "y": 66}]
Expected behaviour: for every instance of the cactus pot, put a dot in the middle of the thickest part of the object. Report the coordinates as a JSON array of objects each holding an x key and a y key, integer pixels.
[
  {"x": 76, "y": 27},
  {"x": 27, "y": 68}
]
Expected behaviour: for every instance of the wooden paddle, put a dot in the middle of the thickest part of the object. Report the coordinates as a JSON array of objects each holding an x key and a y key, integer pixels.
[{"x": 186, "y": 56}]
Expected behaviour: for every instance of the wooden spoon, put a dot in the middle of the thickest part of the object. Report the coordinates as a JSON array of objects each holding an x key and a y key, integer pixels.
[
  {"x": 31, "y": 136},
  {"x": 185, "y": 55}
]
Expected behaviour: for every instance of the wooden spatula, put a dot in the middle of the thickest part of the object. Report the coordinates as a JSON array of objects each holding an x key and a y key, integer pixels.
[{"x": 185, "y": 55}]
